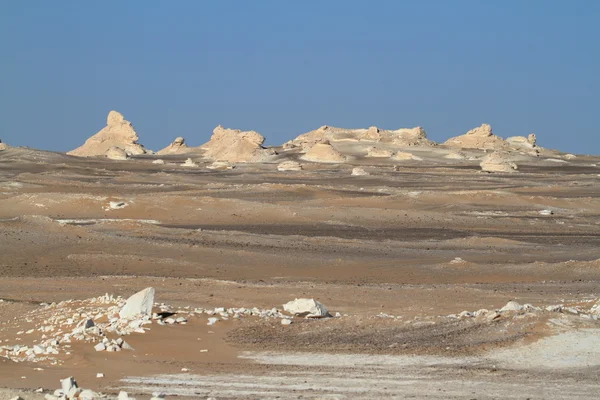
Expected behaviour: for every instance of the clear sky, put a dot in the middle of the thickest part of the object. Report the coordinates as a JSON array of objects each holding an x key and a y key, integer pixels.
[{"x": 179, "y": 68}]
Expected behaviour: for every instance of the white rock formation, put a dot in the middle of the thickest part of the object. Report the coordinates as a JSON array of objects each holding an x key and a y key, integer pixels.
[
  {"x": 289, "y": 166},
  {"x": 481, "y": 137},
  {"x": 177, "y": 147},
  {"x": 324, "y": 152},
  {"x": 116, "y": 153},
  {"x": 117, "y": 133},
  {"x": 189, "y": 163},
  {"x": 401, "y": 137},
  {"x": 407, "y": 137},
  {"x": 235, "y": 146},
  {"x": 497, "y": 162},
  {"x": 140, "y": 304},
  {"x": 159, "y": 162},
  {"x": 309, "y": 308},
  {"x": 3, "y": 146}
]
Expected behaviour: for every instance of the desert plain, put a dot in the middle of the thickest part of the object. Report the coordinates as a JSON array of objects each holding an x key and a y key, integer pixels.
[{"x": 444, "y": 278}]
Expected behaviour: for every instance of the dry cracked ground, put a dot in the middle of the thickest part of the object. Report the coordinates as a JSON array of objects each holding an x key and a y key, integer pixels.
[{"x": 397, "y": 255}]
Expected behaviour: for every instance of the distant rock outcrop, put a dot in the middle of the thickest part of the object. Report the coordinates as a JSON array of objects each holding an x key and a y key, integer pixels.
[
  {"x": 481, "y": 137},
  {"x": 3, "y": 146},
  {"x": 324, "y": 152},
  {"x": 527, "y": 144},
  {"x": 117, "y": 133},
  {"x": 497, "y": 162},
  {"x": 404, "y": 137},
  {"x": 234, "y": 145},
  {"x": 407, "y": 137},
  {"x": 178, "y": 146}
]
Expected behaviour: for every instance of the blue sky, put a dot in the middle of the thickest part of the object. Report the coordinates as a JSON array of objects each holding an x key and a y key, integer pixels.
[{"x": 179, "y": 68}]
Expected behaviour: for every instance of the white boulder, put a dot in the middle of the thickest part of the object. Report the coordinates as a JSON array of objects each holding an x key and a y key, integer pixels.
[
  {"x": 309, "y": 308},
  {"x": 512, "y": 306},
  {"x": 140, "y": 304}
]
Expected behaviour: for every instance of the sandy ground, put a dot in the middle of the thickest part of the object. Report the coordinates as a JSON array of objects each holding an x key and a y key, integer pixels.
[{"x": 378, "y": 249}]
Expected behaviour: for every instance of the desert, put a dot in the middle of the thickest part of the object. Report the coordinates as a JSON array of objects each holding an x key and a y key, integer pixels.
[{"x": 345, "y": 263}]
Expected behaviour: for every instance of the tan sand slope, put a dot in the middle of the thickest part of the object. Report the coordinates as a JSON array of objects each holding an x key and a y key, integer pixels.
[
  {"x": 234, "y": 145},
  {"x": 118, "y": 132}
]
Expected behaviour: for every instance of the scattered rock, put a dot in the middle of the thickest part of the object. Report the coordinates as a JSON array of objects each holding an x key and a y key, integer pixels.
[
  {"x": 159, "y": 162},
  {"x": 404, "y": 156},
  {"x": 308, "y": 308},
  {"x": 357, "y": 171},
  {"x": 379, "y": 152},
  {"x": 189, "y": 163},
  {"x": 118, "y": 133},
  {"x": 289, "y": 166},
  {"x": 220, "y": 166},
  {"x": 117, "y": 205},
  {"x": 545, "y": 212},
  {"x": 286, "y": 321},
  {"x": 455, "y": 155}
]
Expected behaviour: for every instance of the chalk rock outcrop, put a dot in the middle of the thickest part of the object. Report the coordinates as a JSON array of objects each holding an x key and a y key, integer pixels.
[
  {"x": 481, "y": 137},
  {"x": 117, "y": 133},
  {"x": 116, "y": 153},
  {"x": 3, "y": 146},
  {"x": 289, "y": 166},
  {"x": 234, "y": 145},
  {"x": 178, "y": 146},
  {"x": 308, "y": 308},
  {"x": 497, "y": 162},
  {"x": 138, "y": 305},
  {"x": 324, "y": 152},
  {"x": 527, "y": 144},
  {"x": 407, "y": 137},
  {"x": 404, "y": 137}
]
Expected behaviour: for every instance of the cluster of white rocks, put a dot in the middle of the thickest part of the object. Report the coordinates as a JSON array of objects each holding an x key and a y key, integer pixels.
[
  {"x": 69, "y": 390},
  {"x": 513, "y": 308},
  {"x": 104, "y": 320},
  {"x": 592, "y": 313}
]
